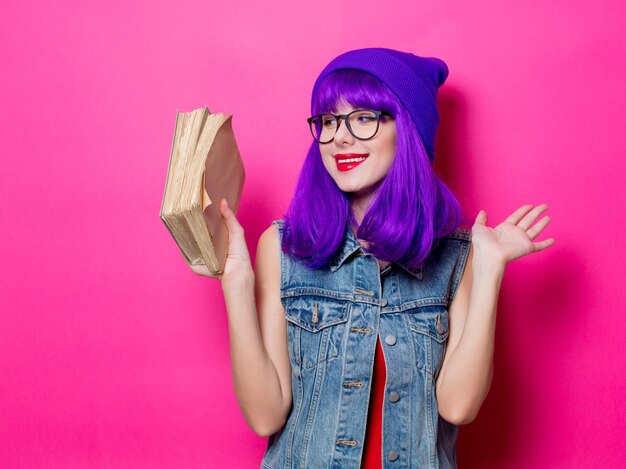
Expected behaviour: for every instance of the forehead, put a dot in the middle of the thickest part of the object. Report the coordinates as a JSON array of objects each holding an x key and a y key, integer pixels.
[{"x": 344, "y": 107}]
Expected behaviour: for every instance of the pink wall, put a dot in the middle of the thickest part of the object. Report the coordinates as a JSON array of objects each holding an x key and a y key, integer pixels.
[{"x": 114, "y": 354}]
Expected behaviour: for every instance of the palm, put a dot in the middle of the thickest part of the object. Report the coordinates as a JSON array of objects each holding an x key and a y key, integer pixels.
[{"x": 513, "y": 238}]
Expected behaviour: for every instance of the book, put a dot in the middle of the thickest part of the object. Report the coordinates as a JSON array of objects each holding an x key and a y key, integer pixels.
[{"x": 205, "y": 166}]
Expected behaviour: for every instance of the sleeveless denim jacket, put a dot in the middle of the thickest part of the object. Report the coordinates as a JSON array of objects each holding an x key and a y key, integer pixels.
[{"x": 334, "y": 317}]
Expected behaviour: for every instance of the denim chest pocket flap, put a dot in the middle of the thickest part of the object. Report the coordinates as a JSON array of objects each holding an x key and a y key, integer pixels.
[
  {"x": 315, "y": 313},
  {"x": 432, "y": 322},
  {"x": 430, "y": 328},
  {"x": 316, "y": 327}
]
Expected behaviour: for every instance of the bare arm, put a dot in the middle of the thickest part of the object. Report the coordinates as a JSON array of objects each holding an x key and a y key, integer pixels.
[
  {"x": 257, "y": 328},
  {"x": 466, "y": 373},
  {"x": 467, "y": 369}
]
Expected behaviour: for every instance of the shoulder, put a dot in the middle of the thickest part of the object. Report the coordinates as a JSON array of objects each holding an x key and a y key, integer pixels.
[
  {"x": 267, "y": 264},
  {"x": 463, "y": 275},
  {"x": 456, "y": 246},
  {"x": 463, "y": 237},
  {"x": 270, "y": 239},
  {"x": 274, "y": 231},
  {"x": 455, "y": 251},
  {"x": 279, "y": 224},
  {"x": 461, "y": 234},
  {"x": 453, "y": 247}
]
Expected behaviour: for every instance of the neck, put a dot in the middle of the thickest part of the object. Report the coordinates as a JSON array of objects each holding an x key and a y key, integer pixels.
[
  {"x": 359, "y": 206},
  {"x": 358, "y": 210},
  {"x": 359, "y": 203}
]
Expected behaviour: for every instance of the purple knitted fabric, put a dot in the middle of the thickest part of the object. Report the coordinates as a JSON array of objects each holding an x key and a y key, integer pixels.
[{"x": 414, "y": 80}]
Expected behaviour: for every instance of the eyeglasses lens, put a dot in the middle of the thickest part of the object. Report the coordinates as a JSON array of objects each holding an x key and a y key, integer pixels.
[{"x": 361, "y": 124}]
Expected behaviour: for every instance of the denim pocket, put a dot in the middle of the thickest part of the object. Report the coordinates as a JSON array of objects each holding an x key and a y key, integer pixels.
[
  {"x": 315, "y": 329},
  {"x": 430, "y": 327}
]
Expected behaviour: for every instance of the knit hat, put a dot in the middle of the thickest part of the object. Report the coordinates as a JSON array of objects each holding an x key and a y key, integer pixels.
[{"x": 413, "y": 80}]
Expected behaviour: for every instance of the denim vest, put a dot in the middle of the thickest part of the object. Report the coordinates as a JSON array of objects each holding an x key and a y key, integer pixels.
[{"x": 334, "y": 317}]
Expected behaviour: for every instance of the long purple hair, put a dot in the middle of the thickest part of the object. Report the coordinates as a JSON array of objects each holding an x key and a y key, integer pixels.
[{"x": 412, "y": 206}]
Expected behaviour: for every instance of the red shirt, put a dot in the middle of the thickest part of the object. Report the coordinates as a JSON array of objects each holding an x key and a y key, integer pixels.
[{"x": 373, "y": 449}]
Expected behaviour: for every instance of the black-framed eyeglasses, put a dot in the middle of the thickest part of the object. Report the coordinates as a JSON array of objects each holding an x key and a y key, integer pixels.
[{"x": 362, "y": 124}]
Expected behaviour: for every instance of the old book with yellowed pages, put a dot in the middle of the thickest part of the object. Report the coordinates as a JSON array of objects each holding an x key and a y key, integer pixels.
[{"x": 205, "y": 166}]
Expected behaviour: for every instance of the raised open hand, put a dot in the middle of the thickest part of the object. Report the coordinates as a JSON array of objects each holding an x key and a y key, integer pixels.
[{"x": 513, "y": 238}]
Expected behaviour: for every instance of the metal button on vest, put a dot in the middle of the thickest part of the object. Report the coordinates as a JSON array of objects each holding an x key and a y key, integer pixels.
[
  {"x": 384, "y": 302},
  {"x": 440, "y": 328},
  {"x": 392, "y": 456},
  {"x": 390, "y": 339},
  {"x": 394, "y": 396}
]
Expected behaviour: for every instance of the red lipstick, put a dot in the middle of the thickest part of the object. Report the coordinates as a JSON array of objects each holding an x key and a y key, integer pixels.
[{"x": 348, "y": 161}]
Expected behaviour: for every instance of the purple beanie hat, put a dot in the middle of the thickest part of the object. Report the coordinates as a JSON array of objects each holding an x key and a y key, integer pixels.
[{"x": 413, "y": 80}]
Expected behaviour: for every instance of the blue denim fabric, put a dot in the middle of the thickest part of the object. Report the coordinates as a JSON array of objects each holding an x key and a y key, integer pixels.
[{"x": 334, "y": 317}]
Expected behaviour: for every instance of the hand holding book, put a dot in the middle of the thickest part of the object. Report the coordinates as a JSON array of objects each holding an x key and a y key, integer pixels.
[
  {"x": 205, "y": 167},
  {"x": 238, "y": 257}
]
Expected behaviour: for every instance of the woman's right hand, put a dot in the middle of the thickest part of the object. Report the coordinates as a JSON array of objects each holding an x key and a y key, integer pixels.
[{"x": 238, "y": 258}]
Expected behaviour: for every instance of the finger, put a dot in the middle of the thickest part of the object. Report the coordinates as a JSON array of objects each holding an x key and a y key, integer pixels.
[
  {"x": 229, "y": 217},
  {"x": 517, "y": 215},
  {"x": 531, "y": 216},
  {"x": 543, "y": 244},
  {"x": 217, "y": 275},
  {"x": 539, "y": 226},
  {"x": 224, "y": 208},
  {"x": 202, "y": 270},
  {"x": 210, "y": 275}
]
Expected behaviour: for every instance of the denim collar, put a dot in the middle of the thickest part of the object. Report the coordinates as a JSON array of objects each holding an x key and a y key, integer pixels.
[{"x": 351, "y": 246}]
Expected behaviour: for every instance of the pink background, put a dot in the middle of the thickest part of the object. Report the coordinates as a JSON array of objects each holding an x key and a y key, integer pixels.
[{"x": 113, "y": 354}]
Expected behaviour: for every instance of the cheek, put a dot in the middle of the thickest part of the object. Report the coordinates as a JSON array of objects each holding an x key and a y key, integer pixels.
[
  {"x": 327, "y": 161},
  {"x": 392, "y": 150},
  {"x": 389, "y": 153},
  {"x": 392, "y": 142},
  {"x": 386, "y": 166}
]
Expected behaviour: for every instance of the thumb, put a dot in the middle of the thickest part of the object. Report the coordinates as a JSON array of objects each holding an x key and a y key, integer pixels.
[
  {"x": 481, "y": 218},
  {"x": 229, "y": 217}
]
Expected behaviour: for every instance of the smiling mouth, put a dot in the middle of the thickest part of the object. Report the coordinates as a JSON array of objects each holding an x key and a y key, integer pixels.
[{"x": 346, "y": 162}]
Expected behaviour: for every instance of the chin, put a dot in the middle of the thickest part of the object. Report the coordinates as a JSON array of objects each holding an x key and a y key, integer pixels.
[
  {"x": 352, "y": 183},
  {"x": 356, "y": 190},
  {"x": 348, "y": 186}
]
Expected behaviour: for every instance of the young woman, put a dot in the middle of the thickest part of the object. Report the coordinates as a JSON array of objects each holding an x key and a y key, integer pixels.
[{"x": 365, "y": 335}]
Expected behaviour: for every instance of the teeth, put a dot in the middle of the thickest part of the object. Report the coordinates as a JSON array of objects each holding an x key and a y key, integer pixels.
[{"x": 352, "y": 160}]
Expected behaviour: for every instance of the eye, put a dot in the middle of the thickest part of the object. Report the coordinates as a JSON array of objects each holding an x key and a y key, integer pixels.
[
  {"x": 328, "y": 121},
  {"x": 366, "y": 118}
]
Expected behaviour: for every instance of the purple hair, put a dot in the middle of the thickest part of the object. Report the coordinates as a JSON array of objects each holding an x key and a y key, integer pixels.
[{"x": 412, "y": 206}]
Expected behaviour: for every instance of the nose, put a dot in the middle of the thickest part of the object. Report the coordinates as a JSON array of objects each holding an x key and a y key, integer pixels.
[{"x": 343, "y": 135}]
